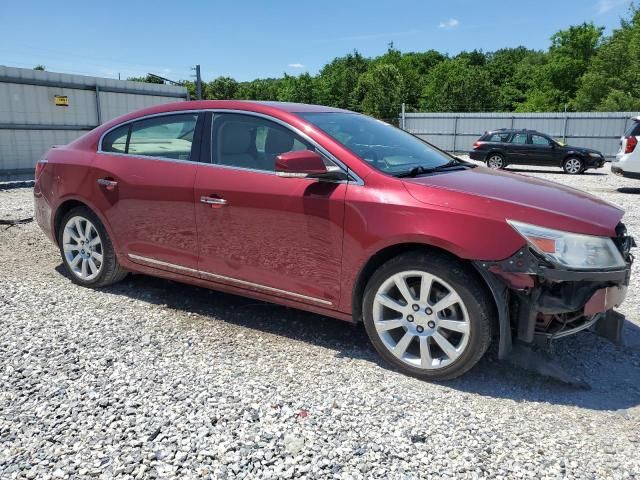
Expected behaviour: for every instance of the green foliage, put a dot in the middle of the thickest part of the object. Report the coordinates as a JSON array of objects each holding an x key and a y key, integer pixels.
[
  {"x": 146, "y": 79},
  {"x": 612, "y": 80},
  {"x": 457, "y": 85},
  {"x": 222, "y": 88},
  {"x": 337, "y": 81},
  {"x": 582, "y": 70},
  {"x": 297, "y": 89},
  {"x": 380, "y": 91},
  {"x": 39, "y": 67}
]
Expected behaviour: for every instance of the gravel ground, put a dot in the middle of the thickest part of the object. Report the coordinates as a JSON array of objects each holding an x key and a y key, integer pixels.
[{"x": 154, "y": 379}]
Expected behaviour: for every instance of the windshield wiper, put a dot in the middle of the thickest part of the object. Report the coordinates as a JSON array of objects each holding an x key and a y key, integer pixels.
[{"x": 420, "y": 170}]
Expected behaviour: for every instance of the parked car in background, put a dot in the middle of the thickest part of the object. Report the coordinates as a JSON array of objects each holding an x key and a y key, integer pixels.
[
  {"x": 504, "y": 146},
  {"x": 627, "y": 161},
  {"x": 340, "y": 214}
]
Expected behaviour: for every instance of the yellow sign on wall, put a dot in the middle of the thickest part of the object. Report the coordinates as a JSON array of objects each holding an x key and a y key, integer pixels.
[{"x": 61, "y": 100}]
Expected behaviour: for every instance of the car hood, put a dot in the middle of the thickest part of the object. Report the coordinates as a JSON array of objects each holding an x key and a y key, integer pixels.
[
  {"x": 503, "y": 195},
  {"x": 581, "y": 149}
]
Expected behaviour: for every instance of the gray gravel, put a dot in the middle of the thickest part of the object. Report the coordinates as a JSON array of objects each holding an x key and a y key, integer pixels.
[{"x": 154, "y": 379}]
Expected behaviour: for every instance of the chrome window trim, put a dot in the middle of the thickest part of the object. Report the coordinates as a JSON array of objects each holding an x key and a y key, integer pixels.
[
  {"x": 350, "y": 173},
  {"x": 223, "y": 278}
]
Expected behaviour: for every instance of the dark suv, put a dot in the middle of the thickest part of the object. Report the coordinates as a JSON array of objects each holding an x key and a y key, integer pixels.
[{"x": 502, "y": 147}]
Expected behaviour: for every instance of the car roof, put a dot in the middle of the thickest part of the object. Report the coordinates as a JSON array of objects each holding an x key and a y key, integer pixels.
[
  {"x": 290, "y": 107},
  {"x": 513, "y": 130}
]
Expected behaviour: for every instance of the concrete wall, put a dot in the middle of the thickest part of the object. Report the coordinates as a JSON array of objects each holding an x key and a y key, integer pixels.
[
  {"x": 458, "y": 131},
  {"x": 30, "y": 122}
]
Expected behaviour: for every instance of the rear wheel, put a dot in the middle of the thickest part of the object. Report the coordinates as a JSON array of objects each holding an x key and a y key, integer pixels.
[
  {"x": 573, "y": 166},
  {"x": 427, "y": 315},
  {"x": 87, "y": 251},
  {"x": 495, "y": 161}
]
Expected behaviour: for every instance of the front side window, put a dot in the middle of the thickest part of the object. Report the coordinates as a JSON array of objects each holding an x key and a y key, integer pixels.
[
  {"x": 246, "y": 141},
  {"x": 381, "y": 145},
  {"x": 519, "y": 138},
  {"x": 539, "y": 140},
  {"x": 167, "y": 136}
]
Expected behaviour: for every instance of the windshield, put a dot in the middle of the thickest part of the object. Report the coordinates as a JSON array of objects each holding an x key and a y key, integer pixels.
[{"x": 381, "y": 145}]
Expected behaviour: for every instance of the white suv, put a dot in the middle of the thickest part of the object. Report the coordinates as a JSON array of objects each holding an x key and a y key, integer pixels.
[{"x": 627, "y": 161}]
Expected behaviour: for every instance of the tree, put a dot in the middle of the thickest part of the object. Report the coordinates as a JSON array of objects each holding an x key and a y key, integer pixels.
[
  {"x": 612, "y": 81},
  {"x": 260, "y": 89},
  {"x": 338, "y": 80},
  {"x": 297, "y": 89},
  {"x": 222, "y": 88},
  {"x": 146, "y": 79},
  {"x": 39, "y": 67},
  {"x": 380, "y": 91},
  {"x": 455, "y": 85}
]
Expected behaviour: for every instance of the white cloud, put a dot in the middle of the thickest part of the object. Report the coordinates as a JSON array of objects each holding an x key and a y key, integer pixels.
[
  {"x": 451, "y": 23},
  {"x": 604, "y": 6},
  {"x": 295, "y": 65}
]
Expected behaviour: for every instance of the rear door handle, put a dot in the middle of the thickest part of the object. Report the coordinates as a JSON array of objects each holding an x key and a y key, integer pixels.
[
  {"x": 108, "y": 184},
  {"x": 213, "y": 200}
]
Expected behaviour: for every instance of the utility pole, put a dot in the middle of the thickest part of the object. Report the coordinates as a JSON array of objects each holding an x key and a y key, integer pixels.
[{"x": 198, "y": 83}]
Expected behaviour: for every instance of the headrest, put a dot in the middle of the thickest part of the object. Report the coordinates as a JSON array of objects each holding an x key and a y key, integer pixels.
[
  {"x": 278, "y": 141},
  {"x": 235, "y": 138}
]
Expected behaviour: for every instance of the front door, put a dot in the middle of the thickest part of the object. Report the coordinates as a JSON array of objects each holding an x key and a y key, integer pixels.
[
  {"x": 542, "y": 151},
  {"x": 262, "y": 232},
  {"x": 145, "y": 175}
]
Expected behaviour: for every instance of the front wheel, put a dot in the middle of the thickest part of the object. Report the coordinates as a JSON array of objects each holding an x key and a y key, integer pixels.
[
  {"x": 87, "y": 251},
  {"x": 427, "y": 315},
  {"x": 573, "y": 166}
]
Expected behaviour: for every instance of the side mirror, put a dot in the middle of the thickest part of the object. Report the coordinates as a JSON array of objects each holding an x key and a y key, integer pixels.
[{"x": 300, "y": 164}]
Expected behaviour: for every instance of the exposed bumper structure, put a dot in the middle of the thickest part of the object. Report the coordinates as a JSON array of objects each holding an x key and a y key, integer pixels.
[{"x": 539, "y": 302}]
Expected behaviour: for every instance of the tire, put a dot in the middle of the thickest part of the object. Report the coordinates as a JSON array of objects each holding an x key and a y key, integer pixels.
[
  {"x": 573, "y": 166},
  {"x": 447, "y": 275},
  {"x": 496, "y": 161},
  {"x": 81, "y": 252}
]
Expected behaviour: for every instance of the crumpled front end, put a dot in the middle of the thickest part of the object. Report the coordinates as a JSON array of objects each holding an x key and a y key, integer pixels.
[{"x": 540, "y": 302}]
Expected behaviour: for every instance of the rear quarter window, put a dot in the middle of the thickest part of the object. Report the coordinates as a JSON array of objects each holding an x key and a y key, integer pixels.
[
  {"x": 497, "y": 137},
  {"x": 633, "y": 130}
]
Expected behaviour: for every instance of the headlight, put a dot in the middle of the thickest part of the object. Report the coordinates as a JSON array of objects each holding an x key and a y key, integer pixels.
[
  {"x": 570, "y": 250},
  {"x": 596, "y": 155}
]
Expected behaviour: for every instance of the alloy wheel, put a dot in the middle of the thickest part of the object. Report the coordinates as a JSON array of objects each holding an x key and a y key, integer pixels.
[
  {"x": 82, "y": 248},
  {"x": 421, "y": 320},
  {"x": 573, "y": 166},
  {"x": 495, "y": 161}
]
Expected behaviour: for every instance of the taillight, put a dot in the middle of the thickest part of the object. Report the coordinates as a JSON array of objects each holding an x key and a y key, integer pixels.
[
  {"x": 477, "y": 144},
  {"x": 40, "y": 166},
  {"x": 631, "y": 144}
]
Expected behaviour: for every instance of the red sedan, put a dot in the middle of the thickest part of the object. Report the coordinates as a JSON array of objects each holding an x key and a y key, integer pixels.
[{"x": 334, "y": 212}]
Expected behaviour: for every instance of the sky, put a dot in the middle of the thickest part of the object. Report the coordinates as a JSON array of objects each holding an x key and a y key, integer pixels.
[{"x": 248, "y": 39}]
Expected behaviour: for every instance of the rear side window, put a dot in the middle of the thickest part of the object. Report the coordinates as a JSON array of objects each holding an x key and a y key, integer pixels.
[
  {"x": 498, "y": 137},
  {"x": 169, "y": 136},
  {"x": 633, "y": 130},
  {"x": 519, "y": 138},
  {"x": 116, "y": 140}
]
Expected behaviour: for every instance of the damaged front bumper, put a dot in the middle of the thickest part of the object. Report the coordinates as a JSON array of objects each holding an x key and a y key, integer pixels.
[{"x": 538, "y": 302}]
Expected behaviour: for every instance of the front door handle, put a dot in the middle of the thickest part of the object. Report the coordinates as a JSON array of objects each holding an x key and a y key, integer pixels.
[
  {"x": 108, "y": 184},
  {"x": 213, "y": 201}
]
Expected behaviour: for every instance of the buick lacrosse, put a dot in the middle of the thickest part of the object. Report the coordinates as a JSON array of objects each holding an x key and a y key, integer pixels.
[{"x": 340, "y": 214}]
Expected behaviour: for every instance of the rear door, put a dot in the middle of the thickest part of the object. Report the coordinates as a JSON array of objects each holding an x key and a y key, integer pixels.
[
  {"x": 517, "y": 149},
  {"x": 145, "y": 174}
]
